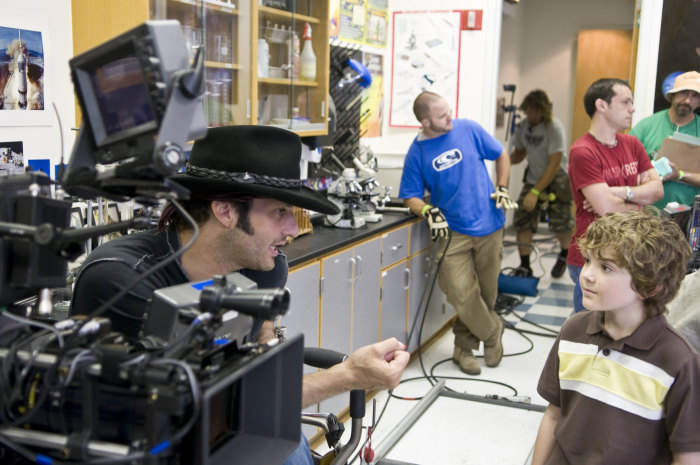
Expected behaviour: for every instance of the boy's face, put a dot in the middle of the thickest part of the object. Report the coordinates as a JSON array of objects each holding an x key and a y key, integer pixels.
[{"x": 607, "y": 286}]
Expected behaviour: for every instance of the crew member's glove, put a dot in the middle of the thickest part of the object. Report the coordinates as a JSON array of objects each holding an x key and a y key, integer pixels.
[
  {"x": 503, "y": 199},
  {"x": 436, "y": 222}
]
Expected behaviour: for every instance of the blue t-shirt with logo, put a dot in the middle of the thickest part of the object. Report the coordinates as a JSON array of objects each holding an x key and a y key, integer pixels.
[{"x": 451, "y": 168}]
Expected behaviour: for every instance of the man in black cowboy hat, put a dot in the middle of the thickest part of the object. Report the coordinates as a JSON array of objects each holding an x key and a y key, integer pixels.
[{"x": 244, "y": 181}]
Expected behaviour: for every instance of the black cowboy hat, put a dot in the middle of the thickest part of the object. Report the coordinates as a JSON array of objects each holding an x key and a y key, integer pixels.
[{"x": 262, "y": 161}]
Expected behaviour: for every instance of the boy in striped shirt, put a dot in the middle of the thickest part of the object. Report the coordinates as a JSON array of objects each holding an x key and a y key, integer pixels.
[{"x": 623, "y": 386}]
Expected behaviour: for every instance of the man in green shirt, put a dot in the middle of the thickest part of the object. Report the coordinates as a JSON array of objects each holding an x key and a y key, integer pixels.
[{"x": 679, "y": 186}]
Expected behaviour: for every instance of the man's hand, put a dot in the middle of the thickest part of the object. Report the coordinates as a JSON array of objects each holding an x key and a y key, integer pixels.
[
  {"x": 267, "y": 332},
  {"x": 379, "y": 365},
  {"x": 530, "y": 201},
  {"x": 503, "y": 198},
  {"x": 376, "y": 366},
  {"x": 436, "y": 222}
]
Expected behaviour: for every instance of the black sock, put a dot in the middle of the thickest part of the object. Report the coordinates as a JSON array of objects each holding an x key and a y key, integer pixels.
[
  {"x": 564, "y": 253},
  {"x": 525, "y": 261}
]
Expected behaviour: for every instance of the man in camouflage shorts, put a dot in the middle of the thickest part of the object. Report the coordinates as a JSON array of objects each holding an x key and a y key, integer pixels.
[{"x": 540, "y": 138}]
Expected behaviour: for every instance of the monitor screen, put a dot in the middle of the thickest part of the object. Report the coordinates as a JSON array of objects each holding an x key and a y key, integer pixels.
[{"x": 121, "y": 95}]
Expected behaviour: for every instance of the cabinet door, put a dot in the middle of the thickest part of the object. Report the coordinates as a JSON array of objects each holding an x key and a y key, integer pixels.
[
  {"x": 223, "y": 29},
  {"x": 336, "y": 313},
  {"x": 365, "y": 311},
  {"x": 285, "y": 96},
  {"x": 420, "y": 286},
  {"x": 303, "y": 314},
  {"x": 395, "y": 282},
  {"x": 420, "y": 236},
  {"x": 394, "y": 246}
]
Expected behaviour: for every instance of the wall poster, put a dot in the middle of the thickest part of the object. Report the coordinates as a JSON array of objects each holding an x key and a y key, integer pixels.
[
  {"x": 372, "y": 107},
  {"x": 425, "y": 56},
  {"x": 22, "y": 75}
]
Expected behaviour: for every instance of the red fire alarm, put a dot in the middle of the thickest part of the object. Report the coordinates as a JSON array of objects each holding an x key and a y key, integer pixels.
[{"x": 471, "y": 20}]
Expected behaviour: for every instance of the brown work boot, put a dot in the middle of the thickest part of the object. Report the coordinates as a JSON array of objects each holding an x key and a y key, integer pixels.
[
  {"x": 466, "y": 361},
  {"x": 493, "y": 352}
]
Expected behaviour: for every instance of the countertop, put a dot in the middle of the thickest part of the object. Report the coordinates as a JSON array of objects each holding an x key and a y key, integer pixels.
[{"x": 325, "y": 239}]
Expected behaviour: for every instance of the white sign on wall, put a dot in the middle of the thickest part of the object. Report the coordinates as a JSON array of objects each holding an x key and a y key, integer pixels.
[{"x": 425, "y": 54}]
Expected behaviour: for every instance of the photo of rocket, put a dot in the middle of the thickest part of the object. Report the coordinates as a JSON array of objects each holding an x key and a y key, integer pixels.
[{"x": 21, "y": 69}]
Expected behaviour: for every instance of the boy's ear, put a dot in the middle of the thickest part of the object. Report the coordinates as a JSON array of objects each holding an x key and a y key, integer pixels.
[{"x": 658, "y": 289}]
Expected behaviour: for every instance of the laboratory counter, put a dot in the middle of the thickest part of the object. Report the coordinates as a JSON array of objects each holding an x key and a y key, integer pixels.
[{"x": 326, "y": 239}]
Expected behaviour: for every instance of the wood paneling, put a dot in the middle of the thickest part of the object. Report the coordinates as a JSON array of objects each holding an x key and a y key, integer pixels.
[
  {"x": 96, "y": 21},
  {"x": 600, "y": 54}
]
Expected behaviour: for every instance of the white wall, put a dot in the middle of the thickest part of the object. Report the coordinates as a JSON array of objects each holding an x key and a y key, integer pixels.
[
  {"x": 548, "y": 45},
  {"x": 53, "y": 18}
]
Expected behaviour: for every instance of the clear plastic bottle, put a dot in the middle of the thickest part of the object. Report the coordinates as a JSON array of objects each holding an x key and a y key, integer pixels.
[
  {"x": 292, "y": 55},
  {"x": 307, "y": 59}
]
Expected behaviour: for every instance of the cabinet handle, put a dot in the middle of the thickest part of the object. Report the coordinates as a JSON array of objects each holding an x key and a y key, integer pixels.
[
  {"x": 247, "y": 108},
  {"x": 323, "y": 109},
  {"x": 427, "y": 267},
  {"x": 320, "y": 286},
  {"x": 397, "y": 247},
  {"x": 358, "y": 267},
  {"x": 353, "y": 262},
  {"x": 407, "y": 276}
]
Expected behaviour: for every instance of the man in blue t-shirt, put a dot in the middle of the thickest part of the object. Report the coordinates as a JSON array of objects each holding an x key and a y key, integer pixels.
[{"x": 466, "y": 214}]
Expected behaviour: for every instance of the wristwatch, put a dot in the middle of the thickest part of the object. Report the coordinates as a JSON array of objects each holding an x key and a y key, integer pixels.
[{"x": 630, "y": 194}]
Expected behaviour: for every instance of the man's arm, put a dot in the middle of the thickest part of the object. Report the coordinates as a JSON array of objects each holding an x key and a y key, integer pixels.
[
  {"x": 415, "y": 204},
  {"x": 545, "y": 180},
  {"x": 503, "y": 169},
  {"x": 376, "y": 366},
  {"x": 604, "y": 199},
  {"x": 517, "y": 156},
  {"x": 687, "y": 177},
  {"x": 544, "y": 444}
]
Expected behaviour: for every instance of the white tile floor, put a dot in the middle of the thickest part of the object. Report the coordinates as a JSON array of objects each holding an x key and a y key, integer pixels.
[{"x": 459, "y": 431}]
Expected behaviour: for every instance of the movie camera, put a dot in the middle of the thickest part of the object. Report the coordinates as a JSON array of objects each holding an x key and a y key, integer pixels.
[{"x": 195, "y": 388}]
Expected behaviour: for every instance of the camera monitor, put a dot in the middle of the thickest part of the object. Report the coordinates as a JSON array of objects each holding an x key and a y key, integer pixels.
[{"x": 141, "y": 102}]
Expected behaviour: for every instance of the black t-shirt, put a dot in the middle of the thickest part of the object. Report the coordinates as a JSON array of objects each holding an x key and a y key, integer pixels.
[{"x": 122, "y": 262}]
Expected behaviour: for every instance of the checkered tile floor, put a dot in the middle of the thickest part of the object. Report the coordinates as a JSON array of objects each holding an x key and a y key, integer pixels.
[{"x": 554, "y": 301}]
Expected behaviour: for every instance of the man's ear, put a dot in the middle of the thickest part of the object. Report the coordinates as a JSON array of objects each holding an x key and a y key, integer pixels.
[
  {"x": 224, "y": 212},
  {"x": 600, "y": 104}
]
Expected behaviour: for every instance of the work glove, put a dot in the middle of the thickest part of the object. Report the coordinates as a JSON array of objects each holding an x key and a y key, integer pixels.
[
  {"x": 503, "y": 199},
  {"x": 436, "y": 222}
]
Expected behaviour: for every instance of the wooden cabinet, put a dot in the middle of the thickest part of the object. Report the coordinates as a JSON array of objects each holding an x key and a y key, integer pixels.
[
  {"x": 282, "y": 96},
  {"x": 230, "y": 32},
  {"x": 349, "y": 304}
]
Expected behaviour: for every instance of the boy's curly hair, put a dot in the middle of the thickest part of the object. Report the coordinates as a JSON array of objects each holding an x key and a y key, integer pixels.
[{"x": 653, "y": 249}]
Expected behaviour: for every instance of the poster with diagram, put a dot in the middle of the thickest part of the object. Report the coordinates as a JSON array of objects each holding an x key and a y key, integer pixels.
[{"x": 425, "y": 55}]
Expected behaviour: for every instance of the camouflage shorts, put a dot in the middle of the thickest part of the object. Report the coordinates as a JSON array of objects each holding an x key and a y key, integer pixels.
[{"x": 559, "y": 212}]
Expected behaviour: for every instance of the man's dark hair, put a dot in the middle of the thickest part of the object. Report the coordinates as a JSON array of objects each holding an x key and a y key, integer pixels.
[
  {"x": 538, "y": 100},
  {"x": 601, "y": 89},
  {"x": 199, "y": 207}
]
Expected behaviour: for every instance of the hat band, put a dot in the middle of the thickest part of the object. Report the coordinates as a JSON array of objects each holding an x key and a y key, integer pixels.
[{"x": 245, "y": 178}]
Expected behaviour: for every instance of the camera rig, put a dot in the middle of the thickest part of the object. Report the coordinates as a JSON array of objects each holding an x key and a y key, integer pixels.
[{"x": 73, "y": 390}]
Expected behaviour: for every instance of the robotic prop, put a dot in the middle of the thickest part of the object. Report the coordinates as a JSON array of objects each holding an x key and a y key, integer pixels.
[
  {"x": 354, "y": 193},
  {"x": 194, "y": 387}
]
